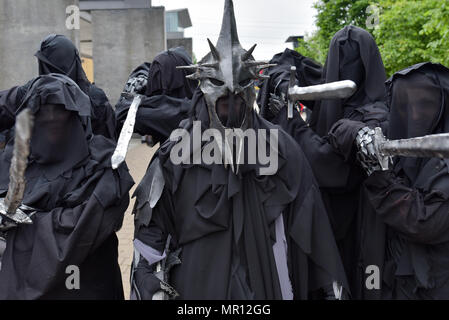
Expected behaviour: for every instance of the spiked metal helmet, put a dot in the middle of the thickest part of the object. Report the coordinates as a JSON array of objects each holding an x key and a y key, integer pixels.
[{"x": 228, "y": 70}]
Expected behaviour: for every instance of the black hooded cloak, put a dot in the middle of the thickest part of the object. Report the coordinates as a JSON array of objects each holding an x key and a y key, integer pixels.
[
  {"x": 353, "y": 55},
  {"x": 79, "y": 202},
  {"x": 405, "y": 221},
  {"x": 58, "y": 54},
  {"x": 227, "y": 225},
  {"x": 328, "y": 141},
  {"x": 165, "y": 79},
  {"x": 167, "y": 96}
]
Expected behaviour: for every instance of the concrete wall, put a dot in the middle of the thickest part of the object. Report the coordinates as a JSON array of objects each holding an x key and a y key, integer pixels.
[
  {"x": 122, "y": 40},
  {"x": 114, "y": 4},
  {"x": 23, "y": 25},
  {"x": 183, "y": 42}
]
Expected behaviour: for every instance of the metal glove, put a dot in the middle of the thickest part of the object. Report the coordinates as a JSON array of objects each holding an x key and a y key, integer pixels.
[
  {"x": 370, "y": 159},
  {"x": 276, "y": 103},
  {"x": 136, "y": 85}
]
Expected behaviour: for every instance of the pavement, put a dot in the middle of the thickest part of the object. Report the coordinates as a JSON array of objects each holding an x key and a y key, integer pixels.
[{"x": 138, "y": 158}]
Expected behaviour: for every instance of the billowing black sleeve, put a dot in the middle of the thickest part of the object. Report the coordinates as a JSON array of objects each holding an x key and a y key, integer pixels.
[
  {"x": 419, "y": 216},
  {"x": 330, "y": 157},
  {"x": 157, "y": 116}
]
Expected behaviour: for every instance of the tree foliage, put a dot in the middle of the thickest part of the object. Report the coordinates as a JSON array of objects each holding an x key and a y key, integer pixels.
[{"x": 408, "y": 31}]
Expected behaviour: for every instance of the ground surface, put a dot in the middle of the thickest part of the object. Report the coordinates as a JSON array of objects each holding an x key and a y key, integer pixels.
[{"x": 138, "y": 158}]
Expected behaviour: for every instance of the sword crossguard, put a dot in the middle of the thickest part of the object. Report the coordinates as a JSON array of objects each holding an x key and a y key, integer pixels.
[
  {"x": 19, "y": 216},
  {"x": 379, "y": 140}
]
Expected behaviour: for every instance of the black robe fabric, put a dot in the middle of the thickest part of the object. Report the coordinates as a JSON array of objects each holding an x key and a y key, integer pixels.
[
  {"x": 79, "y": 200},
  {"x": 157, "y": 116},
  {"x": 332, "y": 156},
  {"x": 167, "y": 97},
  {"x": 404, "y": 218},
  {"x": 58, "y": 55},
  {"x": 7, "y": 114},
  {"x": 224, "y": 225}
]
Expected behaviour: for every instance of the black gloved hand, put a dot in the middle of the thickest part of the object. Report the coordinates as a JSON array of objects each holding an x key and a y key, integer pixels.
[
  {"x": 149, "y": 283},
  {"x": 276, "y": 103},
  {"x": 6, "y": 224}
]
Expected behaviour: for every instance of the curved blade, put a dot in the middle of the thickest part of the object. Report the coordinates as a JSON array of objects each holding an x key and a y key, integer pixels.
[
  {"x": 125, "y": 135},
  {"x": 19, "y": 162}
]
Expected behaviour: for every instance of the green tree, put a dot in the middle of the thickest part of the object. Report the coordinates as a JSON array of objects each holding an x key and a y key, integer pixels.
[
  {"x": 438, "y": 28},
  {"x": 409, "y": 31},
  {"x": 332, "y": 16},
  {"x": 311, "y": 49}
]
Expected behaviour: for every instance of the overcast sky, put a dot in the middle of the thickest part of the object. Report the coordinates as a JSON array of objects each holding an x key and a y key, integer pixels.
[{"x": 265, "y": 22}]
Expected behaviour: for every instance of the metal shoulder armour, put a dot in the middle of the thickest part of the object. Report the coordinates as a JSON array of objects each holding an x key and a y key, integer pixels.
[{"x": 148, "y": 193}]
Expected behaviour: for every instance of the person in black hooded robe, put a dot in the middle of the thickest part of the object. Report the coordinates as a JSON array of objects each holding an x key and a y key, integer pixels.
[
  {"x": 405, "y": 225},
  {"x": 167, "y": 95},
  {"x": 328, "y": 139},
  {"x": 57, "y": 54},
  {"x": 79, "y": 202},
  {"x": 232, "y": 233}
]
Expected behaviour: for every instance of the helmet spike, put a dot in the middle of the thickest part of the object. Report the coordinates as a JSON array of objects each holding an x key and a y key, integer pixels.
[
  {"x": 214, "y": 65},
  {"x": 263, "y": 76},
  {"x": 193, "y": 76},
  {"x": 213, "y": 50},
  {"x": 190, "y": 67},
  {"x": 249, "y": 53},
  {"x": 265, "y": 66},
  {"x": 259, "y": 63}
]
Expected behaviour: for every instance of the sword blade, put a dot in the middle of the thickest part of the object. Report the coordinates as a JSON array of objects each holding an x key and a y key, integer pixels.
[
  {"x": 19, "y": 161},
  {"x": 431, "y": 146},
  {"x": 332, "y": 90},
  {"x": 291, "y": 84},
  {"x": 125, "y": 135}
]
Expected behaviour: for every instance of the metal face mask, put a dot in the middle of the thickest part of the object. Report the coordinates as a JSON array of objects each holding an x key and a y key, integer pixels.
[{"x": 227, "y": 75}]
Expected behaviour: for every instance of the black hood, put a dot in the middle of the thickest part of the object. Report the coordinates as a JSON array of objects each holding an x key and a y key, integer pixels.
[
  {"x": 353, "y": 55},
  {"x": 61, "y": 130},
  {"x": 165, "y": 79},
  {"x": 418, "y": 97},
  {"x": 58, "y": 54}
]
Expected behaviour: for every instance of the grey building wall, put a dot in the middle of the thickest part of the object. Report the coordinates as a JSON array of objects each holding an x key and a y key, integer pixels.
[
  {"x": 122, "y": 40},
  {"x": 183, "y": 42},
  {"x": 23, "y": 25},
  {"x": 114, "y": 4}
]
